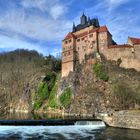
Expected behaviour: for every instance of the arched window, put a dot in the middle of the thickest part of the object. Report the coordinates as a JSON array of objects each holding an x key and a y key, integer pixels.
[{"x": 78, "y": 40}]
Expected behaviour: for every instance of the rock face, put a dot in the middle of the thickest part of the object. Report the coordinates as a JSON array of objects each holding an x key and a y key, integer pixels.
[
  {"x": 24, "y": 102},
  {"x": 91, "y": 94},
  {"x": 124, "y": 119}
]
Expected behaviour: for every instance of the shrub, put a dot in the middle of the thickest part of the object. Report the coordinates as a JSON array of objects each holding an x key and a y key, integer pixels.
[
  {"x": 124, "y": 93},
  {"x": 50, "y": 80},
  {"x": 42, "y": 94},
  {"x": 119, "y": 61},
  {"x": 52, "y": 102},
  {"x": 37, "y": 105},
  {"x": 100, "y": 72},
  {"x": 65, "y": 98}
]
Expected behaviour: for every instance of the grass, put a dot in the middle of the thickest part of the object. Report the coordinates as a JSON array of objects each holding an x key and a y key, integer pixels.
[
  {"x": 52, "y": 102},
  {"x": 66, "y": 97},
  {"x": 100, "y": 72}
]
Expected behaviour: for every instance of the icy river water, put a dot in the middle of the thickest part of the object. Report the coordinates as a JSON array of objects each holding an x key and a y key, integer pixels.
[{"x": 81, "y": 130}]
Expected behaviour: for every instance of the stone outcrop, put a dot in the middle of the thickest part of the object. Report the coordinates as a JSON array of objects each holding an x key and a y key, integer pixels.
[
  {"x": 123, "y": 119},
  {"x": 90, "y": 93}
]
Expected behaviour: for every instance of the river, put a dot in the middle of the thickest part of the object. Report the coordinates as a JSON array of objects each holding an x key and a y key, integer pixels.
[{"x": 81, "y": 130}]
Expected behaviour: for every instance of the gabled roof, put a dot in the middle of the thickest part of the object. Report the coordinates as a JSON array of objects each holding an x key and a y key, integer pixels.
[
  {"x": 121, "y": 46},
  {"x": 82, "y": 34},
  {"x": 69, "y": 35},
  {"x": 135, "y": 40},
  {"x": 93, "y": 30},
  {"x": 102, "y": 29},
  {"x": 99, "y": 29}
]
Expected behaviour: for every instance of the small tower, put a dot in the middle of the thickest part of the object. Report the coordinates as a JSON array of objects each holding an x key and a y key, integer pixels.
[
  {"x": 89, "y": 21},
  {"x": 83, "y": 19},
  {"x": 97, "y": 22},
  {"x": 73, "y": 28}
]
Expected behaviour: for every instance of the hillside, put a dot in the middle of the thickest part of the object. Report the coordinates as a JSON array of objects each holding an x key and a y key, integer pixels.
[
  {"x": 21, "y": 72},
  {"x": 30, "y": 82}
]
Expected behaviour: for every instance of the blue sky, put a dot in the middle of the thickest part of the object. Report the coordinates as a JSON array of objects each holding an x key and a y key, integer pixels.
[{"x": 42, "y": 24}]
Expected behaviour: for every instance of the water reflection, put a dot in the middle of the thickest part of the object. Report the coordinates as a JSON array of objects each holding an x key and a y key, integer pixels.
[
  {"x": 38, "y": 116},
  {"x": 30, "y": 116}
]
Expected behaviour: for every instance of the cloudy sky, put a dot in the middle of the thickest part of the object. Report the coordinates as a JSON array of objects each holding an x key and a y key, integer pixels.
[{"x": 42, "y": 24}]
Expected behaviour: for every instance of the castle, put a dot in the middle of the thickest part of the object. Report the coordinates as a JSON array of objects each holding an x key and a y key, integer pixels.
[{"x": 90, "y": 38}]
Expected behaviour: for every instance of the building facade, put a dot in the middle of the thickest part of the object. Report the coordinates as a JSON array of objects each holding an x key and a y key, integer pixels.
[{"x": 90, "y": 38}]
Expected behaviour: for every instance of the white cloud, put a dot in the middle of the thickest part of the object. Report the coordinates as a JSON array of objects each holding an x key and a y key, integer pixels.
[
  {"x": 39, "y": 4},
  {"x": 49, "y": 22},
  {"x": 57, "y": 10},
  {"x": 114, "y": 3},
  {"x": 117, "y": 1},
  {"x": 121, "y": 24},
  {"x": 34, "y": 26},
  {"x": 42, "y": 24},
  {"x": 12, "y": 43},
  {"x": 53, "y": 7}
]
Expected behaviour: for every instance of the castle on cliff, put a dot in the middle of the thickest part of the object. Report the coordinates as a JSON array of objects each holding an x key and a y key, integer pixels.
[{"x": 90, "y": 38}]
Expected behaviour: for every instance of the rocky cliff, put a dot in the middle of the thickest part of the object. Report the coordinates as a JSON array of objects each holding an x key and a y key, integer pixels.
[{"x": 116, "y": 89}]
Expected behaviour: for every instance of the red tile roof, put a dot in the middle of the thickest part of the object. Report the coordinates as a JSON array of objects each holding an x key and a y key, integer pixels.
[
  {"x": 135, "y": 40},
  {"x": 93, "y": 30},
  {"x": 82, "y": 34},
  {"x": 120, "y": 46},
  {"x": 102, "y": 29},
  {"x": 69, "y": 35}
]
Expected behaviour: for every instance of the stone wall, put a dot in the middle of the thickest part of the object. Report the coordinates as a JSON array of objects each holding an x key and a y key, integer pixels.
[
  {"x": 67, "y": 67},
  {"x": 123, "y": 119},
  {"x": 130, "y": 57}
]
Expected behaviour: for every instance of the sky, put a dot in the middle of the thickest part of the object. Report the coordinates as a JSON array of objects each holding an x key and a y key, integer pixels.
[{"x": 42, "y": 24}]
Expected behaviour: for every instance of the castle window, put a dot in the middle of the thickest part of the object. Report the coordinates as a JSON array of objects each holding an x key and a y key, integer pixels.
[
  {"x": 68, "y": 53},
  {"x": 78, "y": 40},
  {"x": 70, "y": 47},
  {"x": 63, "y": 48},
  {"x": 64, "y": 54},
  {"x": 84, "y": 48},
  {"x": 91, "y": 35},
  {"x": 83, "y": 38},
  {"x": 69, "y": 40},
  {"x": 66, "y": 42},
  {"x": 78, "y": 48}
]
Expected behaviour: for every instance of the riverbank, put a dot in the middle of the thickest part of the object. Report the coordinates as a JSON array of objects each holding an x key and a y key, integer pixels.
[{"x": 123, "y": 119}]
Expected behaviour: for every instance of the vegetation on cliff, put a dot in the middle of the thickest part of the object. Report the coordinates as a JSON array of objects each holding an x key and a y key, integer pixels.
[
  {"x": 125, "y": 94},
  {"x": 66, "y": 98},
  {"x": 41, "y": 95},
  {"x": 52, "y": 101},
  {"x": 101, "y": 86},
  {"x": 18, "y": 69},
  {"x": 100, "y": 71},
  {"x": 22, "y": 82}
]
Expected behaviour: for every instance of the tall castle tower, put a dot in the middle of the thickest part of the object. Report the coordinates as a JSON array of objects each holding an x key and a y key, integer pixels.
[{"x": 84, "y": 39}]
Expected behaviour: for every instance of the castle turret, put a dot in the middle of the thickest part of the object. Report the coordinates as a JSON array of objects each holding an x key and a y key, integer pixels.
[
  {"x": 89, "y": 21},
  {"x": 97, "y": 22},
  {"x": 83, "y": 19},
  {"x": 73, "y": 28}
]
